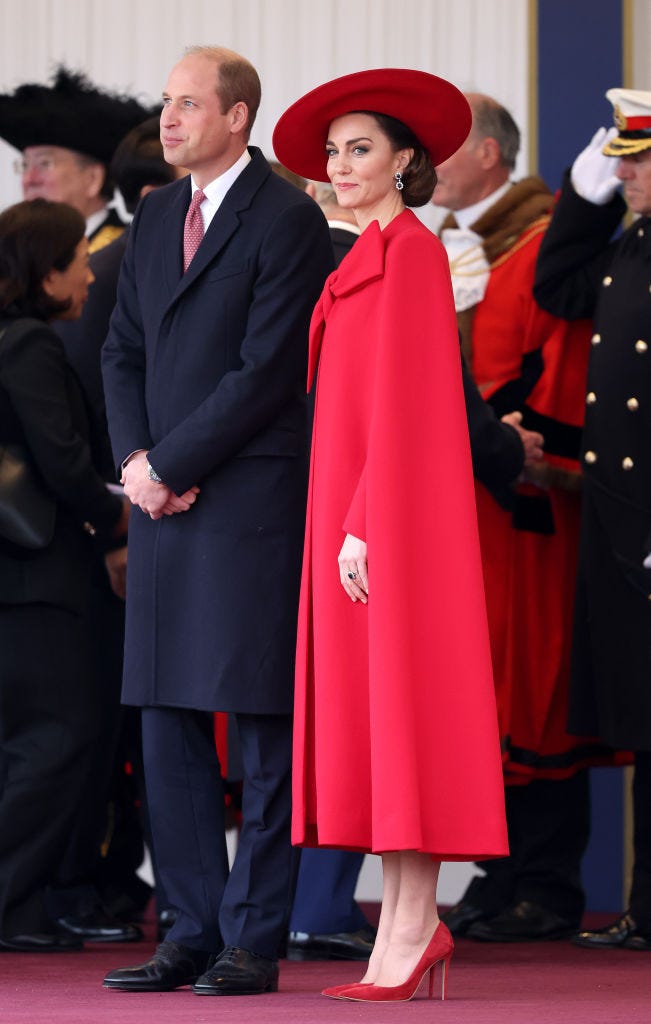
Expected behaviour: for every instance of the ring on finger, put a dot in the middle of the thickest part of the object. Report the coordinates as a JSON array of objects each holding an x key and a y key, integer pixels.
[{"x": 352, "y": 575}]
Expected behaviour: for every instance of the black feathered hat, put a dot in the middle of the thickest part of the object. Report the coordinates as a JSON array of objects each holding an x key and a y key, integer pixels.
[{"x": 71, "y": 113}]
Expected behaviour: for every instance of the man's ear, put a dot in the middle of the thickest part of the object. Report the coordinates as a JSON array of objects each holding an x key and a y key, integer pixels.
[
  {"x": 489, "y": 153},
  {"x": 239, "y": 115},
  {"x": 95, "y": 176}
]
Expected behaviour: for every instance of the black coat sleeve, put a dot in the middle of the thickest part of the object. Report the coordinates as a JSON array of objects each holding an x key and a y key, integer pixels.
[
  {"x": 496, "y": 448},
  {"x": 83, "y": 340},
  {"x": 575, "y": 254},
  {"x": 45, "y": 398}
]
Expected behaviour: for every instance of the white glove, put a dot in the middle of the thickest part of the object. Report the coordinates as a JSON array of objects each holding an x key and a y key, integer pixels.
[{"x": 592, "y": 173}]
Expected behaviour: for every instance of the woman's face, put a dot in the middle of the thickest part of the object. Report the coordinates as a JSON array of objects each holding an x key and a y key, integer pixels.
[
  {"x": 71, "y": 283},
  {"x": 361, "y": 165}
]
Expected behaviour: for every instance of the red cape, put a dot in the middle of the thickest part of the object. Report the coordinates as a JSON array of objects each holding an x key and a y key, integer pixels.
[{"x": 394, "y": 700}]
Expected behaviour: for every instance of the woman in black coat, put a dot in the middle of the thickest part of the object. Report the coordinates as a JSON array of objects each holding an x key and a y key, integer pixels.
[{"x": 47, "y": 721}]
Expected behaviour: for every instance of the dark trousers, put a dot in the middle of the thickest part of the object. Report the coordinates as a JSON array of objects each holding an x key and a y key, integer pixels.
[
  {"x": 247, "y": 906},
  {"x": 48, "y": 729},
  {"x": 324, "y": 902},
  {"x": 640, "y": 901},
  {"x": 106, "y": 846},
  {"x": 549, "y": 828}
]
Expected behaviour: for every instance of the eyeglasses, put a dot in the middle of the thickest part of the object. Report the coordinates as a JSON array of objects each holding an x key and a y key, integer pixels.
[{"x": 40, "y": 163}]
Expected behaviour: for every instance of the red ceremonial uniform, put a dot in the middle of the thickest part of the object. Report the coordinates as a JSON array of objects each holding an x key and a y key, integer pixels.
[
  {"x": 394, "y": 699},
  {"x": 530, "y": 557}
]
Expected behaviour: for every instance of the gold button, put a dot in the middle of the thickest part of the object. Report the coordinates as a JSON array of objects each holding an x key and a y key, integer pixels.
[
  {"x": 595, "y": 339},
  {"x": 591, "y": 398},
  {"x": 590, "y": 458},
  {"x": 627, "y": 463},
  {"x": 641, "y": 346},
  {"x": 633, "y": 404},
  {"x": 607, "y": 281}
]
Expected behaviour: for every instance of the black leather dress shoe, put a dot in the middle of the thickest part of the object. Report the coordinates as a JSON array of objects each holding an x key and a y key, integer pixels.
[
  {"x": 40, "y": 942},
  {"x": 98, "y": 925},
  {"x": 622, "y": 934},
  {"x": 459, "y": 917},
  {"x": 238, "y": 973},
  {"x": 338, "y": 946},
  {"x": 170, "y": 967},
  {"x": 523, "y": 922}
]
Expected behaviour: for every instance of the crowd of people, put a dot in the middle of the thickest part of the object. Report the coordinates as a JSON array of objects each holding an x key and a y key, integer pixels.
[{"x": 253, "y": 399}]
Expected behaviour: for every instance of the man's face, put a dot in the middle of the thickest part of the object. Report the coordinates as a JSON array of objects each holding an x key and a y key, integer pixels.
[
  {"x": 61, "y": 175},
  {"x": 461, "y": 179},
  {"x": 635, "y": 172},
  {"x": 194, "y": 132}
]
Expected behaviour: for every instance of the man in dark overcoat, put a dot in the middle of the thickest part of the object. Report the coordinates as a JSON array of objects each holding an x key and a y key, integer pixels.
[
  {"x": 582, "y": 272},
  {"x": 204, "y": 371}
]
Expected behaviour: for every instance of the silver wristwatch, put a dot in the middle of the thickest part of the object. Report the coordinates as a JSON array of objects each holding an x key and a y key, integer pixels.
[{"x": 153, "y": 475}]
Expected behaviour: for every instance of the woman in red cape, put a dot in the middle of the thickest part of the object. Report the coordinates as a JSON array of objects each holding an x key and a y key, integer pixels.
[{"x": 396, "y": 745}]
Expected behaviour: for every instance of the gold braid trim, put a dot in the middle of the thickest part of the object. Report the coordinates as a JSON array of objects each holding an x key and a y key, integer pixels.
[
  {"x": 104, "y": 236},
  {"x": 537, "y": 228},
  {"x": 626, "y": 147}
]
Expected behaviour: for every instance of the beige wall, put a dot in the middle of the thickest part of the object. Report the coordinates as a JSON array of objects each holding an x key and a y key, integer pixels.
[{"x": 295, "y": 44}]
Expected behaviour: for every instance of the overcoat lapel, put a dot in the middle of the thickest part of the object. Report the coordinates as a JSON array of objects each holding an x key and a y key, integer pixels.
[
  {"x": 222, "y": 227},
  {"x": 173, "y": 221}
]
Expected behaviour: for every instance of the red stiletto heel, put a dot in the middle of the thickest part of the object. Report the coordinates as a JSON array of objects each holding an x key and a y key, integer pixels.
[{"x": 439, "y": 950}]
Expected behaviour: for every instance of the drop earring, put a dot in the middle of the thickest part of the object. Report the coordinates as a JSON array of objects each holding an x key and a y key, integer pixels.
[{"x": 399, "y": 182}]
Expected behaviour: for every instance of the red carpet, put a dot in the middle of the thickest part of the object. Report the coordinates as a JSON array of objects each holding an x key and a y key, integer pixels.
[{"x": 541, "y": 983}]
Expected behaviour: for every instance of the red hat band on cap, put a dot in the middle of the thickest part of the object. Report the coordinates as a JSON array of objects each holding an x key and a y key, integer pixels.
[{"x": 630, "y": 124}]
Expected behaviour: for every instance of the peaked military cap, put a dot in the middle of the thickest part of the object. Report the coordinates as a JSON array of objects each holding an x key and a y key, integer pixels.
[{"x": 632, "y": 116}]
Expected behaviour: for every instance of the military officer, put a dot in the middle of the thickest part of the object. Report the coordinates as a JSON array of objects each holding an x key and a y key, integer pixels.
[{"x": 583, "y": 272}]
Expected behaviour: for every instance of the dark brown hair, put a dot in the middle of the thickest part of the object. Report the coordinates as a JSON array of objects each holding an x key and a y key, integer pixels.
[
  {"x": 419, "y": 177},
  {"x": 138, "y": 161},
  {"x": 36, "y": 236}
]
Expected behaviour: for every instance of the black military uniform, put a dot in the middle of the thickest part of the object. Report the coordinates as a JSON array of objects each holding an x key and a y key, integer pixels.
[{"x": 582, "y": 273}]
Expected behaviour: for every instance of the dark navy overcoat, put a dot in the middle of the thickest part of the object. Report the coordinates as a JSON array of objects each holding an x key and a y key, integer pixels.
[{"x": 207, "y": 370}]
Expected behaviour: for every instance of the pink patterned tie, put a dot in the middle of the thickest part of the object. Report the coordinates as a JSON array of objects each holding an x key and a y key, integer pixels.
[{"x": 193, "y": 229}]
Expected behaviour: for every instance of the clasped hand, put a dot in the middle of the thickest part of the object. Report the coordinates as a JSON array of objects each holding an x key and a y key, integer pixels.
[
  {"x": 156, "y": 499},
  {"x": 532, "y": 441}
]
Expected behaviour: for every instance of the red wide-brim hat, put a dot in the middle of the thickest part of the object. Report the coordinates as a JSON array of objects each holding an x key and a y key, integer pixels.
[{"x": 435, "y": 110}]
